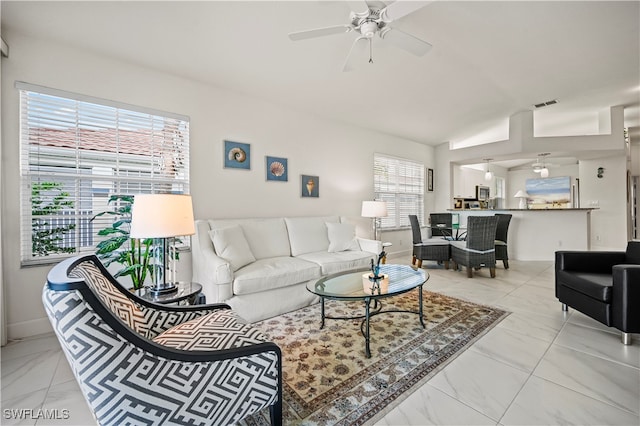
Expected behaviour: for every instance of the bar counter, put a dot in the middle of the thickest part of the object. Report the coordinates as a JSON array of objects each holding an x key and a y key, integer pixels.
[{"x": 536, "y": 234}]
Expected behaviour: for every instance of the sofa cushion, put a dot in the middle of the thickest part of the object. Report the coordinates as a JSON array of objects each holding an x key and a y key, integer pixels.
[
  {"x": 342, "y": 237},
  {"x": 596, "y": 286},
  {"x": 332, "y": 263},
  {"x": 275, "y": 272},
  {"x": 308, "y": 234},
  {"x": 266, "y": 237},
  {"x": 231, "y": 245},
  {"x": 364, "y": 225},
  {"x": 220, "y": 329}
]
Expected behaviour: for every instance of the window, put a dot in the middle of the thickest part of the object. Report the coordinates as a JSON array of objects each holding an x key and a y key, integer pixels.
[
  {"x": 76, "y": 152},
  {"x": 400, "y": 183}
]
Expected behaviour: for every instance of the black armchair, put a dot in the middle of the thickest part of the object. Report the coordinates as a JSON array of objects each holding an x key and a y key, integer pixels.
[{"x": 604, "y": 285}]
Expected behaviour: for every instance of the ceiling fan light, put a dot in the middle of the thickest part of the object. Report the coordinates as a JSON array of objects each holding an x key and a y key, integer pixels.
[
  {"x": 488, "y": 175},
  {"x": 544, "y": 173}
]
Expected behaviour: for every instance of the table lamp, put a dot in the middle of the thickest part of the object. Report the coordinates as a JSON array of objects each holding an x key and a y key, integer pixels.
[
  {"x": 523, "y": 199},
  {"x": 375, "y": 210},
  {"x": 161, "y": 216}
]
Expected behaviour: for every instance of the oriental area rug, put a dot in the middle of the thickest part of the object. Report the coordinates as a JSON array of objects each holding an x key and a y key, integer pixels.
[{"x": 327, "y": 380}]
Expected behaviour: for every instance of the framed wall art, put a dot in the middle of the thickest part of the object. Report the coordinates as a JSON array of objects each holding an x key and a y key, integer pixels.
[
  {"x": 237, "y": 155},
  {"x": 430, "y": 180},
  {"x": 277, "y": 169},
  {"x": 310, "y": 186}
]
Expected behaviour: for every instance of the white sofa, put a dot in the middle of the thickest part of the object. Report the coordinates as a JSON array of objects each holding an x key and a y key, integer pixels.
[{"x": 261, "y": 266}]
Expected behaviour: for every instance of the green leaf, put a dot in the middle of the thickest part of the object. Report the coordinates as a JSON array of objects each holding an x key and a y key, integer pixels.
[{"x": 111, "y": 244}]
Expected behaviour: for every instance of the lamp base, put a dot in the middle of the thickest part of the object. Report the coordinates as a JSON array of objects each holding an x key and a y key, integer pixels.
[{"x": 162, "y": 289}]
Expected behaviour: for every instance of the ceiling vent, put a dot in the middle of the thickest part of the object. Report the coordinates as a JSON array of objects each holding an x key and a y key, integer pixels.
[{"x": 544, "y": 104}]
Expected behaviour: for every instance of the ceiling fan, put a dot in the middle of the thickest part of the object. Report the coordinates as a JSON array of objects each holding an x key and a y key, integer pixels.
[
  {"x": 542, "y": 167},
  {"x": 368, "y": 18}
]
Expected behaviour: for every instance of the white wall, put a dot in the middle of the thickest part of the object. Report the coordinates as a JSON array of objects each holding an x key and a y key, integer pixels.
[
  {"x": 609, "y": 194},
  {"x": 341, "y": 155}
]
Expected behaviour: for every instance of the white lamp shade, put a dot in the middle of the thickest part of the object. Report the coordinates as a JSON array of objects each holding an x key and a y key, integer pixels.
[
  {"x": 520, "y": 194},
  {"x": 374, "y": 209},
  {"x": 161, "y": 216}
]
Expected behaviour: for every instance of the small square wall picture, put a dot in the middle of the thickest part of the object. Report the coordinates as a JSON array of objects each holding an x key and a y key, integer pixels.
[
  {"x": 277, "y": 169},
  {"x": 310, "y": 186},
  {"x": 237, "y": 155}
]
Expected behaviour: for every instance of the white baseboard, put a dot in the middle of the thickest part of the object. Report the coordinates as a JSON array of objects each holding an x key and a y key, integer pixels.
[{"x": 21, "y": 330}]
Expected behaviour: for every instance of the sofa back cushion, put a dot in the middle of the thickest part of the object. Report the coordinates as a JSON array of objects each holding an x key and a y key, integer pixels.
[
  {"x": 266, "y": 237},
  {"x": 633, "y": 252},
  {"x": 364, "y": 225},
  {"x": 309, "y": 234},
  {"x": 231, "y": 245}
]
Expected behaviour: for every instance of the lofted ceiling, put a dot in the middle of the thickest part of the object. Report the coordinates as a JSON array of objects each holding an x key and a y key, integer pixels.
[{"x": 489, "y": 59}]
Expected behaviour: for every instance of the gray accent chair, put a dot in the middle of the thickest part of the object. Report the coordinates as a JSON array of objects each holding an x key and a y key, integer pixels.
[
  {"x": 501, "y": 238},
  {"x": 436, "y": 249},
  {"x": 142, "y": 363},
  {"x": 478, "y": 250}
]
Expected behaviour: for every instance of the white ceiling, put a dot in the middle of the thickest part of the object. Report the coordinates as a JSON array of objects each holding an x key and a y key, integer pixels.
[{"x": 489, "y": 59}]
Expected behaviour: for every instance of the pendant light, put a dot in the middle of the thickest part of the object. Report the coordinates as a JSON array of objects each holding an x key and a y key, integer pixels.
[{"x": 488, "y": 175}]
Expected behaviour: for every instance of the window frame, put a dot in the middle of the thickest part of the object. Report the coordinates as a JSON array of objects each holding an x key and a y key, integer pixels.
[
  {"x": 94, "y": 148},
  {"x": 407, "y": 174}
]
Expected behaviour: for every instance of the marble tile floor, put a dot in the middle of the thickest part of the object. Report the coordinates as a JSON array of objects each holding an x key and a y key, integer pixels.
[{"x": 537, "y": 367}]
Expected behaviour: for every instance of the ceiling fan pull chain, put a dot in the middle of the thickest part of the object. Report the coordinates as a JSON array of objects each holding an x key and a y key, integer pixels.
[{"x": 370, "y": 53}]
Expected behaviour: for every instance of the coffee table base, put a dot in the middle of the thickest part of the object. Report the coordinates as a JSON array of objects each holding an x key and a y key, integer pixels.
[{"x": 369, "y": 313}]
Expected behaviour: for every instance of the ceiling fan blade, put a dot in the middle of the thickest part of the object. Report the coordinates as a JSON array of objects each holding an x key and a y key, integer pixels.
[
  {"x": 401, "y": 8},
  {"x": 406, "y": 41},
  {"x": 357, "y": 49},
  {"x": 320, "y": 32},
  {"x": 358, "y": 6}
]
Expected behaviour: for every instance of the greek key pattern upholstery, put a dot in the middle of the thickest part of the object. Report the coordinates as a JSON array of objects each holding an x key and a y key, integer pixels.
[
  {"x": 129, "y": 379},
  {"x": 145, "y": 321},
  {"x": 219, "y": 329}
]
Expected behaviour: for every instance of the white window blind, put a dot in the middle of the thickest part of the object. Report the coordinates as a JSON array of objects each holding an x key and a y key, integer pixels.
[
  {"x": 400, "y": 183},
  {"x": 77, "y": 152}
]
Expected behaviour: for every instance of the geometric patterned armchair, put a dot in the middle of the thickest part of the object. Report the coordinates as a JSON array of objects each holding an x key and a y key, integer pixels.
[{"x": 142, "y": 363}]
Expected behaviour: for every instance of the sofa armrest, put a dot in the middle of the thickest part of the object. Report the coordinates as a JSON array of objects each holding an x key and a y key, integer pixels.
[
  {"x": 211, "y": 271},
  {"x": 371, "y": 246},
  {"x": 588, "y": 261},
  {"x": 625, "y": 302}
]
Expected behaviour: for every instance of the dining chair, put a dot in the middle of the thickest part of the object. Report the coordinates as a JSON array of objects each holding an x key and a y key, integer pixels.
[
  {"x": 441, "y": 224},
  {"x": 478, "y": 250},
  {"x": 501, "y": 238},
  {"x": 436, "y": 249}
]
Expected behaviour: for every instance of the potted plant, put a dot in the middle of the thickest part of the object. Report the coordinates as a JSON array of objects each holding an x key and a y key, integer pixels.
[{"x": 132, "y": 253}]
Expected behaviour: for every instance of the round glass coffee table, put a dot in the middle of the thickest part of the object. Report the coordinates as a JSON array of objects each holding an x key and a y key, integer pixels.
[{"x": 354, "y": 286}]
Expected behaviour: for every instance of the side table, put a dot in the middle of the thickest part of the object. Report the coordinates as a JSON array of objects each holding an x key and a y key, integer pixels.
[{"x": 187, "y": 293}]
